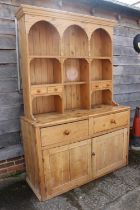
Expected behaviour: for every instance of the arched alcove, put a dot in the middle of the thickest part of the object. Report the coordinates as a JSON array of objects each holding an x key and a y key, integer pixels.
[
  {"x": 45, "y": 71},
  {"x": 100, "y": 43},
  {"x": 47, "y": 104},
  {"x": 75, "y": 41},
  {"x": 44, "y": 39},
  {"x": 101, "y": 69},
  {"x": 101, "y": 97}
]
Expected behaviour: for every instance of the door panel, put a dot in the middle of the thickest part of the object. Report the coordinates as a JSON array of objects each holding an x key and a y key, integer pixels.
[
  {"x": 67, "y": 166},
  {"x": 80, "y": 160},
  {"x": 56, "y": 168},
  {"x": 109, "y": 152}
]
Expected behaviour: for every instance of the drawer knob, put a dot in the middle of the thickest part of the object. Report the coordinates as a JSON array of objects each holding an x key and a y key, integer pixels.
[
  {"x": 55, "y": 89},
  {"x": 93, "y": 154},
  {"x": 38, "y": 91},
  {"x": 113, "y": 121},
  {"x": 66, "y": 132}
]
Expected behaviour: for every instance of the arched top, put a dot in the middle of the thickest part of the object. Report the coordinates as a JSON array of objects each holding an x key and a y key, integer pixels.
[
  {"x": 101, "y": 43},
  {"x": 34, "y": 59},
  {"x": 80, "y": 28},
  {"x": 75, "y": 40},
  {"x": 45, "y": 22},
  {"x": 77, "y": 59},
  {"x": 44, "y": 39},
  {"x": 102, "y": 30},
  {"x": 106, "y": 60}
]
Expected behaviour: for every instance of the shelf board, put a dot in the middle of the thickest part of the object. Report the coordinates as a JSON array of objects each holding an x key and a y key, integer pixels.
[
  {"x": 101, "y": 58},
  {"x": 74, "y": 83},
  {"x": 75, "y": 57},
  {"x": 46, "y": 85},
  {"x": 96, "y": 81},
  {"x": 31, "y": 57}
]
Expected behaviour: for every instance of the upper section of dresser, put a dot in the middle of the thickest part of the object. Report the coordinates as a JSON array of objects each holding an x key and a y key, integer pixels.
[{"x": 66, "y": 61}]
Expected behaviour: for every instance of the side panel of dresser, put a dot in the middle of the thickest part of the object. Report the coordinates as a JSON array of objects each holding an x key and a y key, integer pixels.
[{"x": 33, "y": 158}]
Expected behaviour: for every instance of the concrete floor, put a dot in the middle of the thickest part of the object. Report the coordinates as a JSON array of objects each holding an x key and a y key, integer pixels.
[{"x": 119, "y": 190}]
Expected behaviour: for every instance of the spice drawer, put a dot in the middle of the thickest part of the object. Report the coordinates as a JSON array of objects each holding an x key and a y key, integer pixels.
[
  {"x": 96, "y": 86},
  {"x": 68, "y": 133},
  {"x": 108, "y": 122},
  {"x": 106, "y": 84},
  {"x": 55, "y": 89},
  {"x": 38, "y": 90}
]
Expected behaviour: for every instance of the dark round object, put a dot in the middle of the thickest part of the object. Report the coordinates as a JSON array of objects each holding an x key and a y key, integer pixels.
[{"x": 136, "y": 43}]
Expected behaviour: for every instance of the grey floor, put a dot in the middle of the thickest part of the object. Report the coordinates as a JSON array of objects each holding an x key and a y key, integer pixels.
[{"x": 119, "y": 190}]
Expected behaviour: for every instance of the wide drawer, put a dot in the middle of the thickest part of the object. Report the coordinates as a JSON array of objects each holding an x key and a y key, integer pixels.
[
  {"x": 109, "y": 122},
  {"x": 69, "y": 132}
]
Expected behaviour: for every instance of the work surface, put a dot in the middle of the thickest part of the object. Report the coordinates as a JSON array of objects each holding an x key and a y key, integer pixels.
[{"x": 117, "y": 191}]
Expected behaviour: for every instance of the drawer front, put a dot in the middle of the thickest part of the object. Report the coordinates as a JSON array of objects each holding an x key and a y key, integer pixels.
[
  {"x": 68, "y": 133},
  {"x": 110, "y": 121},
  {"x": 107, "y": 84},
  {"x": 96, "y": 86},
  {"x": 38, "y": 90},
  {"x": 55, "y": 89}
]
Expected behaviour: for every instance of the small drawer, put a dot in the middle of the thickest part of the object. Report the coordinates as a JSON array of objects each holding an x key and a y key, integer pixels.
[
  {"x": 108, "y": 122},
  {"x": 107, "y": 84},
  {"x": 96, "y": 86},
  {"x": 55, "y": 89},
  {"x": 67, "y": 133},
  {"x": 38, "y": 90}
]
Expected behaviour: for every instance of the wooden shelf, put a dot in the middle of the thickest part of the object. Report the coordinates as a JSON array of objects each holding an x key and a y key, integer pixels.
[
  {"x": 46, "y": 85},
  {"x": 99, "y": 81},
  {"x": 31, "y": 57},
  {"x": 101, "y": 58},
  {"x": 74, "y": 83}
]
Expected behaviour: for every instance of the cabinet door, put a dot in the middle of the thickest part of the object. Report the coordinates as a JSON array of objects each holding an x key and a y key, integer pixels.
[
  {"x": 109, "y": 152},
  {"x": 67, "y": 166},
  {"x": 80, "y": 162}
]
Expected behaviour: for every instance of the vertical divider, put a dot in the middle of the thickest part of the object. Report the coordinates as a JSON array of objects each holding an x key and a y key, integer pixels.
[
  {"x": 62, "y": 76},
  {"x": 90, "y": 91}
]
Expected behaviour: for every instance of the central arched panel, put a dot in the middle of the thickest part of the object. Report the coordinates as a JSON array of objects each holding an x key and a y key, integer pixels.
[
  {"x": 75, "y": 41},
  {"x": 44, "y": 40}
]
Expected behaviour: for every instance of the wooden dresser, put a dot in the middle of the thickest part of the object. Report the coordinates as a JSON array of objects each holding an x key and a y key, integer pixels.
[{"x": 72, "y": 130}]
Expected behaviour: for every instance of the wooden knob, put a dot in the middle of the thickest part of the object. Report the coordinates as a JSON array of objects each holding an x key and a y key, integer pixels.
[
  {"x": 67, "y": 132},
  {"x": 55, "y": 89},
  {"x": 93, "y": 154},
  {"x": 113, "y": 121},
  {"x": 97, "y": 86},
  {"x": 38, "y": 91}
]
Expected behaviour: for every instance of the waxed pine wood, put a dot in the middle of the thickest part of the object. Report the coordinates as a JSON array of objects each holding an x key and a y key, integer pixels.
[{"x": 71, "y": 127}]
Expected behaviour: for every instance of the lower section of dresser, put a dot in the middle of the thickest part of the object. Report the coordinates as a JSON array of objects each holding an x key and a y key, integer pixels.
[{"x": 53, "y": 171}]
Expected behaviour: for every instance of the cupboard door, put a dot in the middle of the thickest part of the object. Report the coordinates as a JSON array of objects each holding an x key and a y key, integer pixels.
[
  {"x": 80, "y": 162},
  {"x": 109, "y": 152},
  {"x": 66, "y": 167},
  {"x": 56, "y": 169}
]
